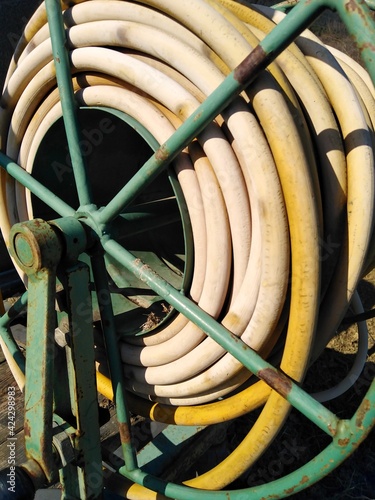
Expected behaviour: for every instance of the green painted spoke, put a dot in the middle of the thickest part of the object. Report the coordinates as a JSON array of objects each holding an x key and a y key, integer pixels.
[
  {"x": 297, "y": 397},
  {"x": 206, "y": 112},
  {"x": 304, "y": 13},
  {"x": 36, "y": 187},
  {"x": 6, "y": 334},
  {"x": 16, "y": 308},
  {"x": 68, "y": 103},
  {"x": 273, "y": 44},
  {"x": 117, "y": 375},
  {"x": 13, "y": 348},
  {"x": 359, "y": 30}
]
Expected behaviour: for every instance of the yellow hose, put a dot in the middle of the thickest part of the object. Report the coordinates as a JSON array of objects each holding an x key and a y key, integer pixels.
[{"x": 272, "y": 187}]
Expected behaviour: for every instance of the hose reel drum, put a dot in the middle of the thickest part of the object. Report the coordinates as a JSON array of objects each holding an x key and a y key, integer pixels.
[{"x": 194, "y": 161}]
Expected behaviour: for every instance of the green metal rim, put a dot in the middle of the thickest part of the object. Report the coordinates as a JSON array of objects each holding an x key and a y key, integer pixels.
[
  {"x": 179, "y": 198},
  {"x": 117, "y": 228},
  {"x": 352, "y": 433}
]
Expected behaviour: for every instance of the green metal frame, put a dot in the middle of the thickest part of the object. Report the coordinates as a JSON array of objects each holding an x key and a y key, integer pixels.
[{"x": 38, "y": 248}]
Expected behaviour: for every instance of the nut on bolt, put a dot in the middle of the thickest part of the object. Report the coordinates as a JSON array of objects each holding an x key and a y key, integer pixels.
[{"x": 34, "y": 245}]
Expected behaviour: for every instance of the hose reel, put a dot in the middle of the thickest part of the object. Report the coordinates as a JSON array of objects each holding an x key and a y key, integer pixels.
[{"x": 211, "y": 257}]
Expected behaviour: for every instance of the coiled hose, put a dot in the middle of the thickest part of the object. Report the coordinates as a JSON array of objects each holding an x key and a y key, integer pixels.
[{"x": 279, "y": 191}]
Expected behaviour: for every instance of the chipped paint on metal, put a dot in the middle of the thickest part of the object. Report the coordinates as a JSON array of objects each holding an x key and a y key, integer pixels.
[
  {"x": 124, "y": 431},
  {"x": 26, "y": 428},
  {"x": 162, "y": 154},
  {"x": 276, "y": 380},
  {"x": 343, "y": 442},
  {"x": 351, "y": 6},
  {"x": 367, "y": 45},
  {"x": 364, "y": 408},
  {"x": 257, "y": 59}
]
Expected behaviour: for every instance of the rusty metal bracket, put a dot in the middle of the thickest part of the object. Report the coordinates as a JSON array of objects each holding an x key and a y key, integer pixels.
[
  {"x": 48, "y": 253},
  {"x": 37, "y": 250}
]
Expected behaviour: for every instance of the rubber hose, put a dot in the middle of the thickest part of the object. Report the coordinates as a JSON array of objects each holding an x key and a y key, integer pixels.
[
  {"x": 360, "y": 359},
  {"x": 269, "y": 233}
]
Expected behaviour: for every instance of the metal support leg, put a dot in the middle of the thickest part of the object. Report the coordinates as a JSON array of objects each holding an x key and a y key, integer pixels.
[
  {"x": 85, "y": 480},
  {"x": 37, "y": 250},
  {"x": 44, "y": 251}
]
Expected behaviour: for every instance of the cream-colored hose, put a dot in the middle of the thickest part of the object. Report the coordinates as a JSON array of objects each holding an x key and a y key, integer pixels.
[{"x": 273, "y": 187}]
